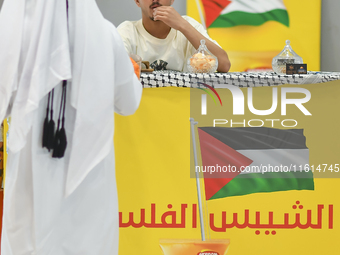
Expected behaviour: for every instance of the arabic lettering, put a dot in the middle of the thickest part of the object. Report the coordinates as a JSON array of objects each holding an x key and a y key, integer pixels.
[{"x": 301, "y": 218}]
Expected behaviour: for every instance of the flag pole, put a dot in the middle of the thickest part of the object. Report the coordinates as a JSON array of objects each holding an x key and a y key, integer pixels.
[
  {"x": 201, "y": 14},
  {"x": 200, "y": 205}
]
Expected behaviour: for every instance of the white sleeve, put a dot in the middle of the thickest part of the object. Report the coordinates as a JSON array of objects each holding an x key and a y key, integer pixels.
[{"x": 127, "y": 88}]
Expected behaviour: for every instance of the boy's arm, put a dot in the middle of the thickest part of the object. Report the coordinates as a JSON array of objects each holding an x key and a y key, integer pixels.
[{"x": 172, "y": 18}]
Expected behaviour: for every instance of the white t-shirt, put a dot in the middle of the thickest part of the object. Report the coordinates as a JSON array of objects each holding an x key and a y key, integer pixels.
[{"x": 170, "y": 53}]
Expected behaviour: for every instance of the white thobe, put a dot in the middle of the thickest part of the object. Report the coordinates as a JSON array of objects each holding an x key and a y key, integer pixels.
[{"x": 38, "y": 217}]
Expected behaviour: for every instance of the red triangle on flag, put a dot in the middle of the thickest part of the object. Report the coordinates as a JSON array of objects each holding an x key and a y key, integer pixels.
[
  {"x": 217, "y": 154},
  {"x": 213, "y": 9}
]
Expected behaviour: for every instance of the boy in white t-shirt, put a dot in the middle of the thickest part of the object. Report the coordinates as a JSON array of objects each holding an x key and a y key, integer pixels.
[{"x": 166, "y": 39}]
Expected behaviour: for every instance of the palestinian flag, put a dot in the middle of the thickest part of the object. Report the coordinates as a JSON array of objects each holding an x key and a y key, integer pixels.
[
  {"x": 258, "y": 159},
  {"x": 230, "y": 13}
]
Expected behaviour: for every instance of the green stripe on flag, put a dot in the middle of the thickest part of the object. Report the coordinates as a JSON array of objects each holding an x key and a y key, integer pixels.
[
  {"x": 254, "y": 183},
  {"x": 252, "y": 19}
]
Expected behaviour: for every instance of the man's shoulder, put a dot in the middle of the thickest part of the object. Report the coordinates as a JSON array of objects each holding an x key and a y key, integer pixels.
[{"x": 127, "y": 25}]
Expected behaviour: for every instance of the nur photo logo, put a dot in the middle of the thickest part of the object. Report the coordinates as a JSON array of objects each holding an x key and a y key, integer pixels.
[{"x": 204, "y": 97}]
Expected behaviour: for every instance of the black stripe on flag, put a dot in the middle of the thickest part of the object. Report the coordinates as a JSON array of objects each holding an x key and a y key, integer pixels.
[{"x": 250, "y": 138}]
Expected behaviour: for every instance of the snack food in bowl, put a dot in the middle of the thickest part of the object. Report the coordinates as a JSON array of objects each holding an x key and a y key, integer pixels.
[{"x": 202, "y": 61}]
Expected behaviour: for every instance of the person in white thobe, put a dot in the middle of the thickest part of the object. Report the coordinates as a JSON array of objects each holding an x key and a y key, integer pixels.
[{"x": 65, "y": 206}]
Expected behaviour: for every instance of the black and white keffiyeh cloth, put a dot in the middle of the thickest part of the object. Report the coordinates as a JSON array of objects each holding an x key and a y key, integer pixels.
[{"x": 218, "y": 80}]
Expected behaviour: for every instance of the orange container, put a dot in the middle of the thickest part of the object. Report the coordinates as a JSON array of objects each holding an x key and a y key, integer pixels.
[
  {"x": 194, "y": 247},
  {"x": 137, "y": 64}
]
